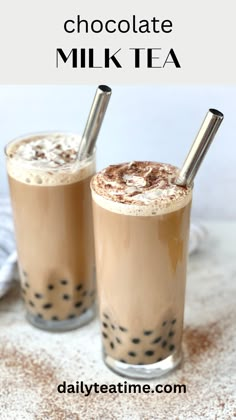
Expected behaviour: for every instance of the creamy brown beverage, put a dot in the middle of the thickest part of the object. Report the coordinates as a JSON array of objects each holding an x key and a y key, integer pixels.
[
  {"x": 141, "y": 222},
  {"x": 54, "y": 232}
]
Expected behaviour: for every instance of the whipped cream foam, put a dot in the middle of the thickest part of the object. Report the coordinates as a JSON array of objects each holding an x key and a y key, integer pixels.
[
  {"x": 139, "y": 188},
  {"x": 47, "y": 159}
]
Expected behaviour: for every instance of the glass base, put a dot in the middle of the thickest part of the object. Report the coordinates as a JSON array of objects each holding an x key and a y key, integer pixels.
[
  {"x": 154, "y": 370},
  {"x": 62, "y": 326}
]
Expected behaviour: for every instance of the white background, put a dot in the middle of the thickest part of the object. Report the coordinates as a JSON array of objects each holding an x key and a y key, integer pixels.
[{"x": 142, "y": 122}]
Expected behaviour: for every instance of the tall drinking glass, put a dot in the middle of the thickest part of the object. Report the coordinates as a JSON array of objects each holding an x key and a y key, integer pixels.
[
  {"x": 52, "y": 212},
  {"x": 141, "y": 223}
]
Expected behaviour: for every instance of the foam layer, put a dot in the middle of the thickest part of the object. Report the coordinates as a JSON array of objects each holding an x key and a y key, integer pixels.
[
  {"x": 47, "y": 159},
  {"x": 139, "y": 188}
]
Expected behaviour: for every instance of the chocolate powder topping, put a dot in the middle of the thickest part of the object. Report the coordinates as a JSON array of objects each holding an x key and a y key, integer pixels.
[
  {"x": 139, "y": 183},
  {"x": 51, "y": 150}
]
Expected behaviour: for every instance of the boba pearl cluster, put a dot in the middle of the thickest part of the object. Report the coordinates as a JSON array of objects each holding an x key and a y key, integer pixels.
[
  {"x": 46, "y": 306},
  {"x": 147, "y": 347}
]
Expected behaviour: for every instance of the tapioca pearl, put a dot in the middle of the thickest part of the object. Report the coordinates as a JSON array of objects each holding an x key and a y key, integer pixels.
[
  {"x": 54, "y": 318},
  {"x": 118, "y": 340},
  {"x": 148, "y": 332},
  {"x": 164, "y": 323},
  {"x": 173, "y": 321},
  {"x": 123, "y": 329},
  {"x": 50, "y": 287},
  {"x": 78, "y": 304},
  {"x": 171, "y": 334},
  {"x": 132, "y": 354},
  {"x": 38, "y": 295},
  {"x": 79, "y": 287},
  {"x": 64, "y": 282},
  {"x": 105, "y": 325},
  {"x": 66, "y": 297},
  {"x": 136, "y": 340},
  {"x": 47, "y": 306},
  {"x": 31, "y": 303},
  {"x": 164, "y": 343},
  {"x": 112, "y": 345},
  {"x": 171, "y": 347},
  {"x": 157, "y": 340},
  {"x": 149, "y": 353},
  {"x": 104, "y": 335}
]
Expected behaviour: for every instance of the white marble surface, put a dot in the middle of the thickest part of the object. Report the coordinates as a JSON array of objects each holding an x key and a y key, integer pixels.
[{"x": 33, "y": 363}]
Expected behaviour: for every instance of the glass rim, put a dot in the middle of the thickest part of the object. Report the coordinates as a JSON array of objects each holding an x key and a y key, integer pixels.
[
  {"x": 28, "y": 164},
  {"x": 128, "y": 208}
]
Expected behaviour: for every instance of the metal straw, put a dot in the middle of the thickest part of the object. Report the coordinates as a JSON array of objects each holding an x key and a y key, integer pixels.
[
  {"x": 94, "y": 122},
  {"x": 199, "y": 148}
]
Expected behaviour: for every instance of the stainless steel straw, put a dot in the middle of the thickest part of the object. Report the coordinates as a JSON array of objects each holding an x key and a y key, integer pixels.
[
  {"x": 199, "y": 148},
  {"x": 94, "y": 122}
]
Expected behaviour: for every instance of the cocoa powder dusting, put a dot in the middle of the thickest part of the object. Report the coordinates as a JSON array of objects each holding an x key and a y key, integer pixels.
[
  {"x": 41, "y": 371},
  {"x": 138, "y": 183},
  {"x": 201, "y": 340}
]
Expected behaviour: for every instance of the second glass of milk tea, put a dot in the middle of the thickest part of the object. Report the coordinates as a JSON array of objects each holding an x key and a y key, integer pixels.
[
  {"x": 52, "y": 212},
  {"x": 141, "y": 222}
]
